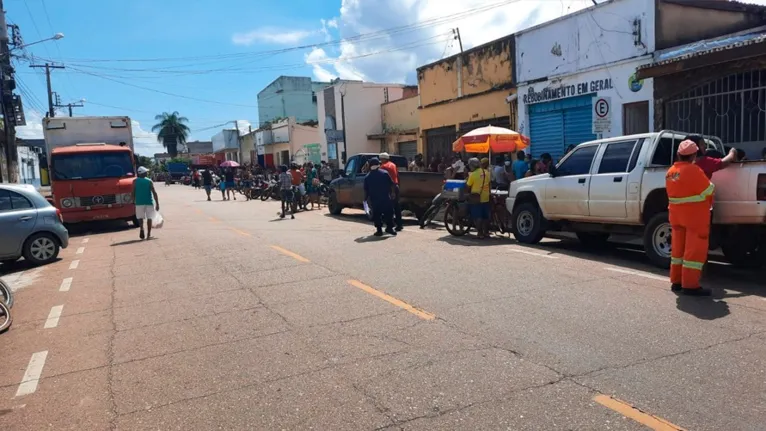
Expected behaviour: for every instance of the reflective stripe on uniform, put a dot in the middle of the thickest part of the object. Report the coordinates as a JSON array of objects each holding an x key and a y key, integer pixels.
[
  {"x": 693, "y": 265},
  {"x": 694, "y": 198},
  {"x": 676, "y": 261}
]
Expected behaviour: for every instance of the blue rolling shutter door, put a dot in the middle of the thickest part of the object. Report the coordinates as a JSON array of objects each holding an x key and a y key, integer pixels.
[
  {"x": 578, "y": 120},
  {"x": 546, "y": 131}
]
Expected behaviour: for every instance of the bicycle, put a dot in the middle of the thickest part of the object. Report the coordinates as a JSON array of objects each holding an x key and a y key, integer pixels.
[{"x": 6, "y": 295}]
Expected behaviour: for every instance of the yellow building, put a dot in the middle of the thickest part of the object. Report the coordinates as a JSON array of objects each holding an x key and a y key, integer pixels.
[
  {"x": 400, "y": 119},
  {"x": 463, "y": 92}
]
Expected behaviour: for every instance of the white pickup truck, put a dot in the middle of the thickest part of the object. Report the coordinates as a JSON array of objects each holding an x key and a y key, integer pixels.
[{"x": 617, "y": 186}]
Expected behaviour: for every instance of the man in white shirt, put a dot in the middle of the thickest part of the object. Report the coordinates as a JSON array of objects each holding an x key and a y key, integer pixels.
[{"x": 458, "y": 167}]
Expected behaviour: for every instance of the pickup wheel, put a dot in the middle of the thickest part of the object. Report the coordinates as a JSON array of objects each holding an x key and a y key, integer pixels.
[
  {"x": 745, "y": 252},
  {"x": 528, "y": 223},
  {"x": 333, "y": 205},
  {"x": 134, "y": 222},
  {"x": 657, "y": 240},
  {"x": 593, "y": 239}
]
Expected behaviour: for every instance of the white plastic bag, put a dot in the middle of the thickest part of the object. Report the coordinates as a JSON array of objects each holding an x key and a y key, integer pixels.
[
  {"x": 158, "y": 221},
  {"x": 366, "y": 207}
]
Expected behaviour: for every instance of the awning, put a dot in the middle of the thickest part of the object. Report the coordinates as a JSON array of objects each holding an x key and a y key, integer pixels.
[{"x": 705, "y": 53}]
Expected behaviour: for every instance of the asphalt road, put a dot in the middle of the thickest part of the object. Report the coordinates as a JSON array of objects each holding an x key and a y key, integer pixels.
[{"x": 233, "y": 319}]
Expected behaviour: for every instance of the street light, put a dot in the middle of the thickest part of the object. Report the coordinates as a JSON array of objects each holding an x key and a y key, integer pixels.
[{"x": 56, "y": 36}]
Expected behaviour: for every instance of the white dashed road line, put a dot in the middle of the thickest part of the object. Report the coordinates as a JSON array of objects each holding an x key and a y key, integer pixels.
[
  {"x": 66, "y": 284},
  {"x": 75, "y": 263},
  {"x": 53, "y": 317},
  {"x": 80, "y": 250},
  {"x": 637, "y": 273},
  {"x": 32, "y": 374},
  {"x": 85, "y": 240},
  {"x": 531, "y": 253}
]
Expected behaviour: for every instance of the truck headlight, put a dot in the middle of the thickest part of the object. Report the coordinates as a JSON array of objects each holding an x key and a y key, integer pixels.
[
  {"x": 126, "y": 198},
  {"x": 67, "y": 203}
]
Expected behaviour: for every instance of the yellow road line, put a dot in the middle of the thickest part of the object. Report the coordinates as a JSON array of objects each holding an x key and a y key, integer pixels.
[
  {"x": 390, "y": 299},
  {"x": 645, "y": 419},
  {"x": 297, "y": 257},
  {"x": 197, "y": 210},
  {"x": 213, "y": 219},
  {"x": 241, "y": 232}
]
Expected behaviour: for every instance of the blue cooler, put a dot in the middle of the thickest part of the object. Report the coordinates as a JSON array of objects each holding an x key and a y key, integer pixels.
[{"x": 454, "y": 189}]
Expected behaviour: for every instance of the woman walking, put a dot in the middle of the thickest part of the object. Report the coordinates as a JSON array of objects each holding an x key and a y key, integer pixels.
[{"x": 312, "y": 184}]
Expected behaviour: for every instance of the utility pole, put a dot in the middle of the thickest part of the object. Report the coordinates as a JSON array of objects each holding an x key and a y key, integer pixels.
[
  {"x": 68, "y": 105},
  {"x": 343, "y": 124},
  {"x": 48, "y": 67},
  {"x": 460, "y": 41},
  {"x": 8, "y": 170}
]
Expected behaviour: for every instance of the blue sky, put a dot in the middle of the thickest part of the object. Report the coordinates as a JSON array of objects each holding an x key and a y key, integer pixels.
[{"x": 219, "y": 54}]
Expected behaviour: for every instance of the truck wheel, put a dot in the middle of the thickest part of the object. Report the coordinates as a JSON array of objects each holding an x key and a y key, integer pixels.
[
  {"x": 528, "y": 223},
  {"x": 593, "y": 239},
  {"x": 333, "y": 205},
  {"x": 657, "y": 240},
  {"x": 743, "y": 255},
  {"x": 41, "y": 248},
  {"x": 134, "y": 221}
]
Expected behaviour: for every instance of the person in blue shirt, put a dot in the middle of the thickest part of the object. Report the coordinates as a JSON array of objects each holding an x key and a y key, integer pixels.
[
  {"x": 520, "y": 166},
  {"x": 378, "y": 192},
  {"x": 143, "y": 192}
]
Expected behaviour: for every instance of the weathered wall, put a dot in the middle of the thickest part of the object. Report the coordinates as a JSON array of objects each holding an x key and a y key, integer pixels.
[
  {"x": 401, "y": 115},
  {"x": 587, "y": 39},
  {"x": 679, "y": 24},
  {"x": 289, "y": 96},
  {"x": 247, "y": 143}
]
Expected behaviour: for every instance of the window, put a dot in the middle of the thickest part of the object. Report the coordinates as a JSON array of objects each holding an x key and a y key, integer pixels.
[
  {"x": 635, "y": 118},
  {"x": 351, "y": 168},
  {"x": 663, "y": 154},
  {"x": 82, "y": 166},
  {"x": 634, "y": 157},
  {"x": 616, "y": 157},
  {"x": 578, "y": 162},
  {"x": 13, "y": 201}
]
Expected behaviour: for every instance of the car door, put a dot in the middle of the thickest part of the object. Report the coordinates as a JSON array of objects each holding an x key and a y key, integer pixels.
[
  {"x": 17, "y": 221},
  {"x": 346, "y": 182},
  {"x": 609, "y": 184},
  {"x": 566, "y": 194}
]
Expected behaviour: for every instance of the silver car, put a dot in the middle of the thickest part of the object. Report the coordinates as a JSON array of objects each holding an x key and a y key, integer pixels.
[{"x": 29, "y": 226}]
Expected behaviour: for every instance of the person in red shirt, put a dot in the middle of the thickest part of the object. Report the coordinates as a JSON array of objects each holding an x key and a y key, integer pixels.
[
  {"x": 710, "y": 165},
  {"x": 387, "y": 165}
]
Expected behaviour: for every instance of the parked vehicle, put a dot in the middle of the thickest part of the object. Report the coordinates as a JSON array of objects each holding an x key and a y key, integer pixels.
[
  {"x": 29, "y": 226},
  {"x": 177, "y": 172},
  {"x": 416, "y": 189},
  {"x": 92, "y": 167},
  {"x": 617, "y": 186}
]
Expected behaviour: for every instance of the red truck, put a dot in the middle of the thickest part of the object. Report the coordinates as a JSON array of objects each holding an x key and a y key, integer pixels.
[{"x": 92, "y": 167}]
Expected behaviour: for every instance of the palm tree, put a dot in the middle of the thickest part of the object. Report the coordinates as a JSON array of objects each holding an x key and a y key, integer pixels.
[{"x": 171, "y": 131}]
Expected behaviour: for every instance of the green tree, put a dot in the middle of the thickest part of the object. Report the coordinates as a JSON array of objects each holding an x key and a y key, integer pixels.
[
  {"x": 171, "y": 131},
  {"x": 144, "y": 161}
]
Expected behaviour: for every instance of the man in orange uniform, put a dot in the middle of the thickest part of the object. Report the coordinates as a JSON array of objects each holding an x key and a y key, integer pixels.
[
  {"x": 690, "y": 195},
  {"x": 387, "y": 165}
]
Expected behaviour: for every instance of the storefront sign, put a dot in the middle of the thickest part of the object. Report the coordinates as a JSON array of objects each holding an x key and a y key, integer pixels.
[
  {"x": 634, "y": 84},
  {"x": 334, "y": 136},
  {"x": 602, "y": 115},
  {"x": 313, "y": 152},
  {"x": 260, "y": 150},
  {"x": 555, "y": 93}
]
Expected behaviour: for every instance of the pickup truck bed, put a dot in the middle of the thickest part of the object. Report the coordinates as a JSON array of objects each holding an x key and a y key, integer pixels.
[{"x": 416, "y": 189}]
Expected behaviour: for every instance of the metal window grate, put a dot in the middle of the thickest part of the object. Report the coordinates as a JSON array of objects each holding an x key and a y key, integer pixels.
[{"x": 732, "y": 108}]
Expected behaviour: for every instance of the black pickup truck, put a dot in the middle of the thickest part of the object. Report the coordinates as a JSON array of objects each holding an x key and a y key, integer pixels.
[{"x": 416, "y": 189}]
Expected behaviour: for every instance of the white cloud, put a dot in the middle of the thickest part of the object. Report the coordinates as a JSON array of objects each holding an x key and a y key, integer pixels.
[
  {"x": 34, "y": 127},
  {"x": 272, "y": 35},
  {"x": 383, "y": 61},
  {"x": 144, "y": 141}
]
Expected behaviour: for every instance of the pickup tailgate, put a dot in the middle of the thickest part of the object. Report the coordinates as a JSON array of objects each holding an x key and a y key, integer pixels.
[
  {"x": 738, "y": 199},
  {"x": 420, "y": 185}
]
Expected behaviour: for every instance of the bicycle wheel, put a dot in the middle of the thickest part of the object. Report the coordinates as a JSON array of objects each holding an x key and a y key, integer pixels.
[
  {"x": 455, "y": 222},
  {"x": 6, "y": 295},
  {"x": 5, "y": 318}
]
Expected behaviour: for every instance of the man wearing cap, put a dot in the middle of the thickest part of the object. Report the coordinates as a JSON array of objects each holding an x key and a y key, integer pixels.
[
  {"x": 143, "y": 191},
  {"x": 387, "y": 165},
  {"x": 378, "y": 190},
  {"x": 690, "y": 195}
]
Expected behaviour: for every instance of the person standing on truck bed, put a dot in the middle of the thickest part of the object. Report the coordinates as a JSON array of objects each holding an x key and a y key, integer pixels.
[
  {"x": 690, "y": 195},
  {"x": 710, "y": 165},
  {"x": 387, "y": 165},
  {"x": 379, "y": 187},
  {"x": 143, "y": 191}
]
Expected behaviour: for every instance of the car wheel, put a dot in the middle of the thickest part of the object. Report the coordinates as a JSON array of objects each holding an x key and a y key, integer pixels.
[
  {"x": 41, "y": 248},
  {"x": 528, "y": 223},
  {"x": 593, "y": 239},
  {"x": 658, "y": 240},
  {"x": 333, "y": 205}
]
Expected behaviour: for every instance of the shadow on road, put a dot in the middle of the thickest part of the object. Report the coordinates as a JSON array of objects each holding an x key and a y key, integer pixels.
[
  {"x": 472, "y": 241},
  {"x": 128, "y": 242},
  {"x": 82, "y": 229},
  {"x": 372, "y": 238},
  {"x": 702, "y": 308},
  {"x": 19, "y": 266},
  {"x": 362, "y": 219}
]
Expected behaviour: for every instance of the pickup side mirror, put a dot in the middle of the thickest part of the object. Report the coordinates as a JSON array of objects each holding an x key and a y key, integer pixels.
[{"x": 552, "y": 171}]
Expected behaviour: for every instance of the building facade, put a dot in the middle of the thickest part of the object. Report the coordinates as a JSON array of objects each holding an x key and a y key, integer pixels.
[
  {"x": 292, "y": 143},
  {"x": 715, "y": 86},
  {"x": 289, "y": 96},
  {"x": 357, "y": 105},
  {"x": 463, "y": 92},
  {"x": 576, "y": 76},
  {"x": 401, "y": 122},
  {"x": 226, "y": 145}
]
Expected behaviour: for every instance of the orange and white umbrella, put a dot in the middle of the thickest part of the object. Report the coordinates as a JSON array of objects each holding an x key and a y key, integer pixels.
[{"x": 491, "y": 138}]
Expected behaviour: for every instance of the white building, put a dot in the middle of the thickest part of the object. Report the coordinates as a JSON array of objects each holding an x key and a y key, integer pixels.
[
  {"x": 576, "y": 78},
  {"x": 291, "y": 142},
  {"x": 360, "y": 103},
  {"x": 29, "y": 165},
  {"x": 226, "y": 144}
]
